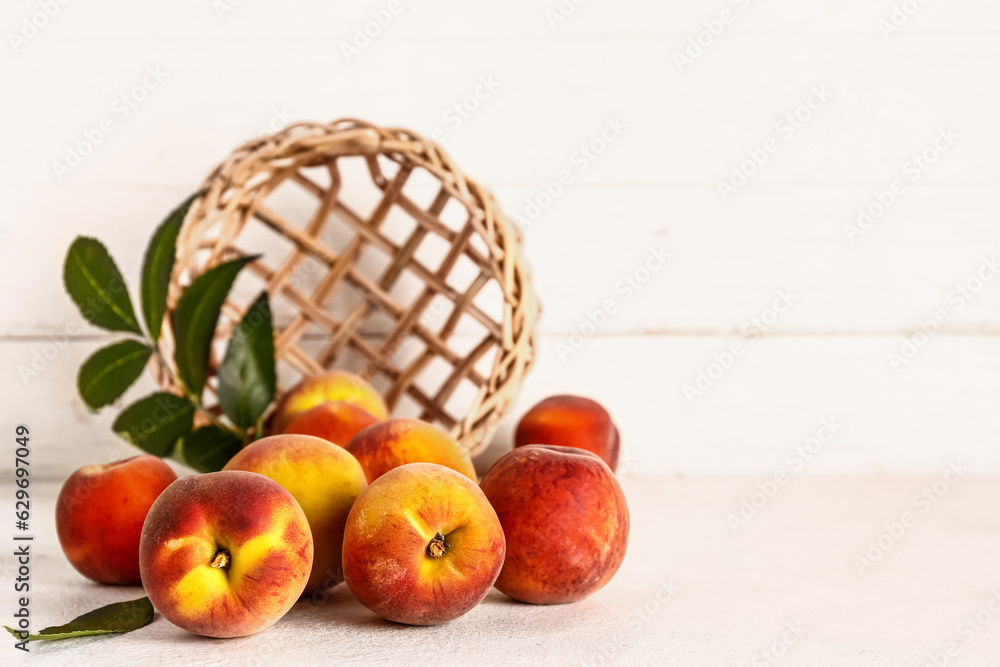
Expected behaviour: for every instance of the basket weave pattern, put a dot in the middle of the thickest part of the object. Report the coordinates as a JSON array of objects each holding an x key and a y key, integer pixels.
[{"x": 235, "y": 198}]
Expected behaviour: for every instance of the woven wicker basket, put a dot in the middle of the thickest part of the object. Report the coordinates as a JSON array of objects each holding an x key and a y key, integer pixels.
[{"x": 448, "y": 350}]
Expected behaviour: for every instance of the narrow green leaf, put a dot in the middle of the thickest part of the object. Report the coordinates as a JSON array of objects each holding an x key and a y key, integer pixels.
[
  {"x": 246, "y": 377},
  {"x": 110, "y": 371},
  {"x": 195, "y": 318},
  {"x": 208, "y": 449},
  {"x": 113, "y": 618},
  {"x": 96, "y": 286},
  {"x": 155, "y": 423},
  {"x": 158, "y": 264}
]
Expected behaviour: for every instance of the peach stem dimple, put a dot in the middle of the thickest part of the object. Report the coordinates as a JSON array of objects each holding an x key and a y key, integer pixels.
[
  {"x": 437, "y": 547},
  {"x": 221, "y": 559}
]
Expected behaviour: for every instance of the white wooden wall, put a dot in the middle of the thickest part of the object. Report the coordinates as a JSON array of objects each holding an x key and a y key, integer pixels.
[{"x": 228, "y": 69}]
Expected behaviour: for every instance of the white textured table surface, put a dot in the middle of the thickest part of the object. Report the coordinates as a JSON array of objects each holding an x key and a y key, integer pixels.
[{"x": 784, "y": 588}]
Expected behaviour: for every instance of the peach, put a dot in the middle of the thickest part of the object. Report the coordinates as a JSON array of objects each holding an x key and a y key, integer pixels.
[
  {"x": 396, "y": 442},
  {"x": 571, "y": 421},
  {"x": 565, "y": 520},
  {"x": 225, "y": 554},
  {"x": 332, "y": 386},
  {"x": 99, "y": 515},
  {"x": 422, "y": 545},
  {"x": 336, "y": 421},
  {"x": 324, "y": 479}
]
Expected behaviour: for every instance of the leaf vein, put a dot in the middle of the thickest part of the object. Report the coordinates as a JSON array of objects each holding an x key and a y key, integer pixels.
[
  {"x": 105, "y": 297},
  {"x": 114, "y": 366}
]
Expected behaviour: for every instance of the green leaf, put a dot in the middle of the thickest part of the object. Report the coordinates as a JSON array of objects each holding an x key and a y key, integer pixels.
[
  {"x": 110, "y": 371},
  {"x": 112, "y": 618},
  {"x": 155, "y": 423},
  {"x": 96, "y": 285},
  {"x": 208, "y": 449},
  {"x": 158, "y": 265},
  {"x": 246, "y": 377},
  {"x": 195, "y": 318}
]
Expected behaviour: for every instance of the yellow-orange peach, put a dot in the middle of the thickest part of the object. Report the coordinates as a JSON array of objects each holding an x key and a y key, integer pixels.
[
  {"x": 336, "y": 421},
  {"x": 324, "y": 479},
  {"x": 332, "y": 386},
  {"x": 422, "y": 545},
  {"x": 571, "y": 421},
  {"x": 565, "y": 520},
  {"x": 99, "y": 515},
  {"x": 225, "y": 554},
  {"x": 396, "y": 442}
]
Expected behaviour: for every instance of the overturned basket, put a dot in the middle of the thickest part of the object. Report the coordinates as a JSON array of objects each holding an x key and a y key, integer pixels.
[{"x": 426, "y": 295}]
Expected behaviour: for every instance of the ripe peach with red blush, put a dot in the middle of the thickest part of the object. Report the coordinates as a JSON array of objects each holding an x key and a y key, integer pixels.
[
  {"x": 565, "y": 519},
  {"x": 422, "y": 545},
  {"x": 99, "y": 515},
  {"x": 331, "y": 386},
  {"x": 396, "y": 442},
  {"x": 336, "y": 421},
  {"x": 225, "y": 554},
  {"x": 571, "y": 421}
]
